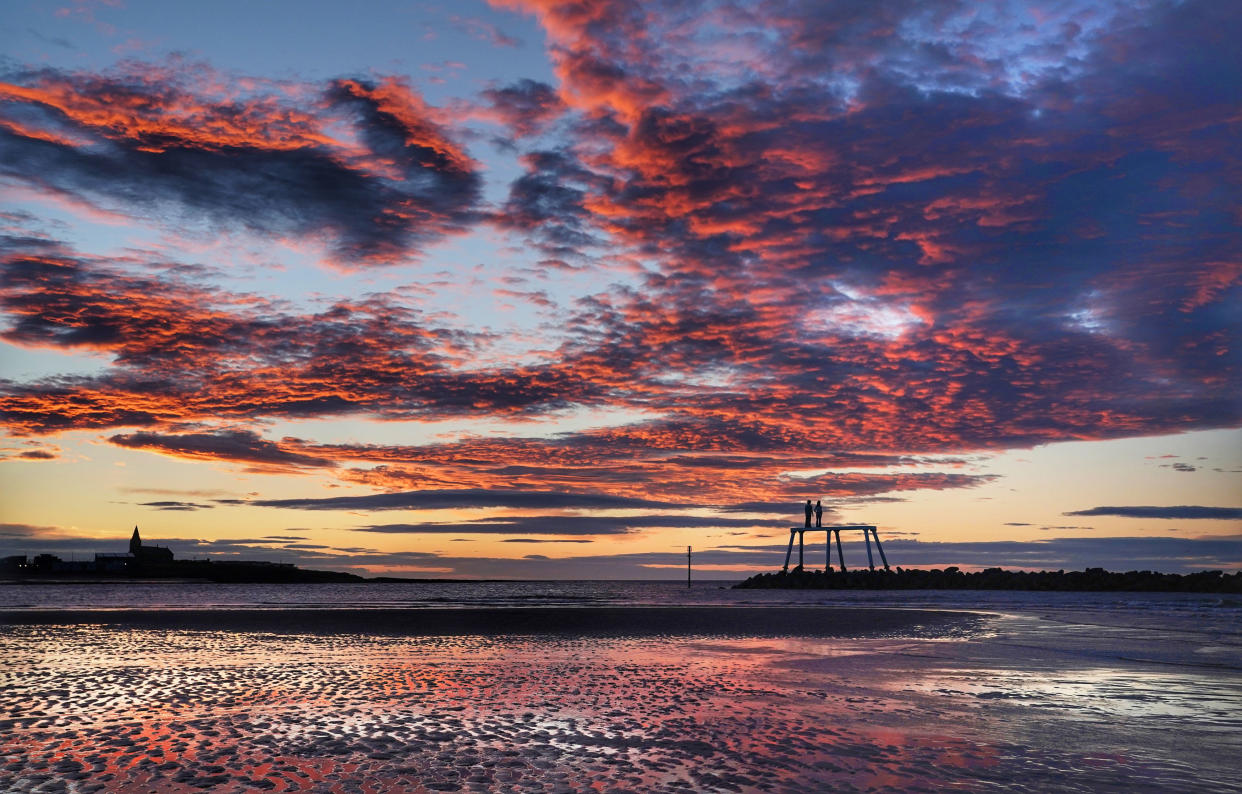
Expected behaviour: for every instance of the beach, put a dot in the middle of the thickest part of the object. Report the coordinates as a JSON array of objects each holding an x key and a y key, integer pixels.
[{"x": 725, "y": 697}]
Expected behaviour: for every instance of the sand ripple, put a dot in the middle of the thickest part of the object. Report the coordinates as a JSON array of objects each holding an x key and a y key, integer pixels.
[{"x": 89, "y": 708}]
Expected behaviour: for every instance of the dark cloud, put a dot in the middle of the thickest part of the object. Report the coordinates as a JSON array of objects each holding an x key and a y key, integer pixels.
[
  {"x": 863, "y": 484},
  {"x": 14, "y": 530},
  {"x": 153, "y": 138},
  {"x": 791, "y": 507},
  {"x": 548, "y": 203},
  {"x": 542, "y": 540},
  {"x": 464, "y": 497},
  {"x": 567, "y": 525},
  {"x": 176, "y": 506},
  {"x": 37, "y": 454},
  {"x": 1172, "y": 512},
  {"x": 525, "y": 105},
  {"x": 234, "y": 445},
  {"x": 551, "y": 527}
]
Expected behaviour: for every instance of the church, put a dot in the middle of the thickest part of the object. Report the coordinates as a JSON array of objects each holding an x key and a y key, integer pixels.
[
  {"x": 148, "y": 555},
  {"x": 138, "y": 557}
]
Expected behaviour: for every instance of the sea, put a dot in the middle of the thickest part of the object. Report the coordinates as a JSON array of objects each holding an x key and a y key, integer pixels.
[{"x": 1214, "y": 619}]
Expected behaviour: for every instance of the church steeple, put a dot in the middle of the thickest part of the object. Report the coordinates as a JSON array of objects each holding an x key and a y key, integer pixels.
[{"x": 135, "y": 543}]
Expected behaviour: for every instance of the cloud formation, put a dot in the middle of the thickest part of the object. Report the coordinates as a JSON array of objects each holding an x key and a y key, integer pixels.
[
  {"x": 432, "y": 499},
  {"x": 824, "y": 250},
  {"x": 1171, "y": 512},
  {"x": 567, "y": 525},
  {"x": 363, "y": 164},
  {"x": 914, "y": 224},
  {"x": 185, "y": 507},
  {"x": 233, "y": 445},
  {"x": 525, "y": 105}
]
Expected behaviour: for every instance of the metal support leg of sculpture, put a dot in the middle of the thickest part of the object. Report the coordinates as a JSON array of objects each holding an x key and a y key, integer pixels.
[
  {"x": 867, "y": 540},
  {"x": 788, "y": 551},
  {"x": 880, "y": 548},
  {"x": 801, "y": 538},
  {"x": 840, "y": 554}
]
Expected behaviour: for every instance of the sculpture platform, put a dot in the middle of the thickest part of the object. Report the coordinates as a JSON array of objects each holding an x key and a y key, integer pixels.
[{"x": 835, "y": 530}]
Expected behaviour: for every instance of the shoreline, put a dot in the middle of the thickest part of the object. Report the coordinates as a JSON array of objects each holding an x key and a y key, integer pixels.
[{"x": 521, "y": 621}]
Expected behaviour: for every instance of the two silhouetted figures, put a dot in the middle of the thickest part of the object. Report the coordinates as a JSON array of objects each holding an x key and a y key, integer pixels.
[
  {"x": 817, "y": 510},
  {"x": 833, "y": 533}
]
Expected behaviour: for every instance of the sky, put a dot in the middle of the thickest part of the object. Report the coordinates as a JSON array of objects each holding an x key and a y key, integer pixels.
[{"x": 554, "y": 290}]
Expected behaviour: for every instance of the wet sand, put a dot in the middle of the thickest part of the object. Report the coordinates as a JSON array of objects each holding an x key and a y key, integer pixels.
[{"x": 903, "y": 701}]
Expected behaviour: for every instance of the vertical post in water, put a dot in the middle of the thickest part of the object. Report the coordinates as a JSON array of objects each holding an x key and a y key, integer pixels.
[{"x": 687, "y": 567}]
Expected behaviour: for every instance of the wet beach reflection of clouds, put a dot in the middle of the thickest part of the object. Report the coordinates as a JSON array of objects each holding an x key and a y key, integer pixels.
[{"x": 168, "y": 710}]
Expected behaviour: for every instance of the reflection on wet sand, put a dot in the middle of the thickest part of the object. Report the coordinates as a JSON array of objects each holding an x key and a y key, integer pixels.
[{"x": 88, "y": 708}]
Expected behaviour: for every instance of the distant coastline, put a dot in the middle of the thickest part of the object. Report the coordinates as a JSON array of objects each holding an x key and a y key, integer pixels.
[
  {"x": 147, "y": 562},
  {"x": 952, "y": 578}
]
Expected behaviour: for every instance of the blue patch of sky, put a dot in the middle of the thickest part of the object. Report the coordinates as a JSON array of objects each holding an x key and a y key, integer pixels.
[{"x": 317, "y": 41}]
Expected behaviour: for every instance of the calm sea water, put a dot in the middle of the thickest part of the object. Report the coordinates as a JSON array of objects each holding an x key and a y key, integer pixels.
[
  {"x": 172, "y": 595},
  {"x": 1192, "y": 628}
]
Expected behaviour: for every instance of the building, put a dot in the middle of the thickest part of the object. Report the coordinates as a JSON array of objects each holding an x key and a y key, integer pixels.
[
  {"x": 109, "y": 562},
  {"x": 148, "y": 555}
]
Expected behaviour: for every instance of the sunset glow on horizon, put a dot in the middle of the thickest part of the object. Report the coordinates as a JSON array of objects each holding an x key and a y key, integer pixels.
[{"x": 544, "y": 290}]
